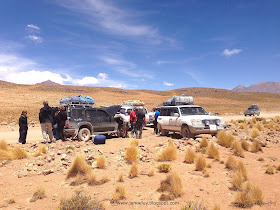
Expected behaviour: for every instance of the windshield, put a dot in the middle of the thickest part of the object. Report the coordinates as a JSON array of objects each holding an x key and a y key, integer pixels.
[
  {"x": 192, "y": 111},
  {"x": 251, "y": 108}
]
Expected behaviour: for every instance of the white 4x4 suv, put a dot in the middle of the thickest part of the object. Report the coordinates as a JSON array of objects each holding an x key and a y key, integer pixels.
[{"x": 189, "y": 121}]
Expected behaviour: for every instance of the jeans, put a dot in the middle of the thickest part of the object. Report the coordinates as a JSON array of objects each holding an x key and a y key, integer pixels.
[
  {"x": 132, "y": 125},
  {"x": 139, "y": 127},
  {"x": 155, "y": 127}
]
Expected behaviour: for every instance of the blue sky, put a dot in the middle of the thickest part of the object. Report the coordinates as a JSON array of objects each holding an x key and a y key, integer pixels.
[{"x": 138, "y": 44}]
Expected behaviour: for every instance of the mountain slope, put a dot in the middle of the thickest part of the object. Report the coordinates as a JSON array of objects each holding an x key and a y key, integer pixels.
[{"x": 270, "y": 87}]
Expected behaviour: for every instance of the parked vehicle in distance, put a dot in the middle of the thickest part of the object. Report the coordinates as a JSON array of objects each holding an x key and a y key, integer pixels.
[
  {"x": 253, "y": 110},
  {"x": 84, "y": 121},
  {"x": 189, "y": 121}
]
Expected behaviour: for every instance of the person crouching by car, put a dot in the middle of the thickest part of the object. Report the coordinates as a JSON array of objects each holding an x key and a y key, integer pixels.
[
  {"x": 46, "y": 120},
  {"x": 23, "y": 127},
  {"x": 61, "y": 118}
]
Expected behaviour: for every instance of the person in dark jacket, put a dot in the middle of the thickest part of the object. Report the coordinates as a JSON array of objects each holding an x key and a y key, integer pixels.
[
  {"x": 61, "y": 118},
  {"x": 55, "y": 124},
  {"x": 46, "y": 117},
  {"x": 140, "y": 121},
  {"x": 23, "y": 127}
]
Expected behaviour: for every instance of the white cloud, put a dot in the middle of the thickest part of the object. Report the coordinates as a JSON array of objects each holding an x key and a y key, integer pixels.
[
  {"x": 228, "y": 52},
  {"x": 85, "y": 81},
  {"x": 167, "y": 83},
  {"x": 33, "y": 27},
  {"x": 35, "y": 38},
  {"x": 102, "y": 76}
]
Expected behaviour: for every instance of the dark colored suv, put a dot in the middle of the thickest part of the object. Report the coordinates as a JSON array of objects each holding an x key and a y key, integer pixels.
[
  {"x": 253, "y": 110},
  {"x": 84, "y": 121}
]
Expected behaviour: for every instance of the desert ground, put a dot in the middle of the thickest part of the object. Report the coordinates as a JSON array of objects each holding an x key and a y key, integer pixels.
[{"x": 19, "y": 179}]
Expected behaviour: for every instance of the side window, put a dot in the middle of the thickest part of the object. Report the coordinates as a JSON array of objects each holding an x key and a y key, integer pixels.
[
  {"x": 77, "y": 113},
  {"x": 163, "y": 112},
  {"x": 90, "y": 113},
  {"x": 103, "y": 116}
]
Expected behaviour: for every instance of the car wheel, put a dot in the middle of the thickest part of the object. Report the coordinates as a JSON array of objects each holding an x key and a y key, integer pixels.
[
  {"x": 84, "y": 134},
  {"x": 162, "y": 131},
  {"x": 185, "y": 132}
]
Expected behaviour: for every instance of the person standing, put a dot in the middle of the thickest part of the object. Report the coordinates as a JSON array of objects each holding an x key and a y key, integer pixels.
[
  {"x": 46, "y": 121},
  {"x": 155, "y": 121},
  {"x": 132, "y": 122},
  {"x": 55, "y": 124},
  {"x": 61, "y": 118},
  {"x": 23, "y": 127},
  {"x": 140, "y": 121}
]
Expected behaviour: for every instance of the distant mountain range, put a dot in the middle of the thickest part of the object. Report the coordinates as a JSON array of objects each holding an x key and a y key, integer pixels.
[
  {"x": 270, "y": 87},
  {"x": 48, "y": 82}
]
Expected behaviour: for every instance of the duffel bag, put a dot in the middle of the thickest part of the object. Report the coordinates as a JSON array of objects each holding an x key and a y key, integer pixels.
[{"x": 99, "y": 139}]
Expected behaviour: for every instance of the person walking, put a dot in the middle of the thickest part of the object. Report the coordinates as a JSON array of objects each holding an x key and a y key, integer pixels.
[
  {"x": 132, "y": 122},
  {"x": 61, "y": 118},
  {"x": 46, "y": 120},
  {"x": 155, "y": 121},
  {"x": 140, "y": 121},
  {"x": 23, "y": 127}
]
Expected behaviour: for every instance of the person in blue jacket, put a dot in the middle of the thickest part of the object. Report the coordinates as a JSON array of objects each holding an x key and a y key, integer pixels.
[
  {"x": 155, "y": 121},
  {"x": 23, "y": 127}
]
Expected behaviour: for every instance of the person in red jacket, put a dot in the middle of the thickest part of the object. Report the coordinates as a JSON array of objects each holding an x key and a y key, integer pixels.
[{"x": 132, "y": 122}]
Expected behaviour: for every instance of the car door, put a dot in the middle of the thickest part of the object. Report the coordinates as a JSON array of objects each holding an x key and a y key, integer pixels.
[
  {"x": 173, "y": 114},
  {"x": 105, "y": 121},
  {"x": 163, "y": 119},
  {"x": 91, "y": 115}
]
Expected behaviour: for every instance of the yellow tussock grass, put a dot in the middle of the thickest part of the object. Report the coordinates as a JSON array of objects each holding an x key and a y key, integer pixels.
[
  {"x": 237, "y": 149},
  {"x": 241, "y": 168},
  {"x": 120, "y": 178},
  {"x": 133, "y": 171},
  {"x": 259, "y": 126},
  {"x": 254, "y": 120},
  {"x": 120, "y": 193},
  {"x": 256, "y": 147},
  {"x": 78, "y": 166},
  {"x": 270, "y": 170},
  {"x": 133, "y": 142},
  {"x": 169, "y": 153},
  {"x": 38, "y": 194},
  {"x": 203, "y": 142},
  {"x": 101, "y": 162},
  {"x": 237, "y": 180},
  {"x": 3, "y": 145},
  {"x": 151, "y": 172},
  {"x": 41, "y": 149},
  {"x": 9, "y": 153},
  {"x": 225, "y": 139},
  {"x": 173, "y": 185},
  {"x": 131, "y": 154},
  {"x": 254, "y": 133},
  {"x": 231, "y": 163},
  {"x": 164, "y": 168},
  {"x": 213, "y": 151},
  {"x": 200, "y": 163},
  {"x": 245, "y": 145},
  {"x": 190, "y": 156}
]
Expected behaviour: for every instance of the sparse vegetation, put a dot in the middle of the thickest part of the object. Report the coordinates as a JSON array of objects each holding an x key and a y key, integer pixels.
[
  {"x": 91, "y": 179},
  {"x": 120, "y": 178},
  {"x": 133, "y": 142},
  {"x": 203, "y": 142},
  {"x": 259, "y": 126},
  {"x": 213, "y": 151},
  {"x": 237, "y": 180},
  {"x": 231, "y": 163},
  {"x": 256, "y": 147},
  {"x": 243, "y": 126},
  {"x": 151, "y": 172},
  {"x": 169, "y": 153},
  {"x": 131, "y": 154},
  {"x": 69, "y": 147},
  {"x": 245, "y": 145},
  {"x": 120, "y": 193},
  {"x": 254, "y": 120},
  {"x": 241, "y": 168},
  {"x": 164, "y": 168},
  {"x": 133, "y": 171},
  {"x": 101, "y": 162},
  {"x": 270, "y": 170},
  {"x": 254, "y": 133},
  {"x": 79, "y": 166},
  {"x": 200, "y": 163},
  {"x": 190, "y": 156},
  {"x": 237, "y": 149},
  {"x": 11, "y": 153},
  {"x": 41, "y": 149},
  {"x": 225, "y": 139},
  {"x": 79, "y": 201},
  {"x": 38, "y": 194},
  {"x": 172, "y": 185}
]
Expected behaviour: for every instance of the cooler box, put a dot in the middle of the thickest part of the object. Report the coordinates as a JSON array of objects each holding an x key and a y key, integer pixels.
[{"x": 99, "y": 139}]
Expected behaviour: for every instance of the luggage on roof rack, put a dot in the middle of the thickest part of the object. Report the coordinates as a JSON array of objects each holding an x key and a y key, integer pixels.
[
  {"x": 179, "y": 100},
  {"x": 87, "y": 100},
  {"x": 134, "y": 103}
]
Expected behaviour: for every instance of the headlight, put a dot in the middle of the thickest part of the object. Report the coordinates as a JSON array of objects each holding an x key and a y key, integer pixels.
[
  {"x": 220, "y": 122},
  {"x": 196, "y": 122}
]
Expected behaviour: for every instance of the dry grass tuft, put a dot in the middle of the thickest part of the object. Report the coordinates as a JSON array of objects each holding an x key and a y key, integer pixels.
[
  {"x": 91, "y": 179},
  {"x": 120, "y": 193},
  {"x": 216, "y": 207},
  {"x": 3, "y": 145},
  {"x": 131, "y": 154},
  {"x": 254, "y": 120},
  {"x": 270, "y": 170},
  {"x": 243, "y": 126},
  {"x": 213, "y": 151},
  {"x": 254, "y": 133},
  {"x": 133, "y": 171},
  {"x": 151, "y": 172},
  {"x": 120, "y": 178},
  {"x": 231, "y": 163},
  {"x": 164, "y": 168},
  {"x": 190, "y": 156},
  {"x": 204, "y": 142},
  {"x": 79, "y": 166},
  {"x": 259, "y": 126},
  {"x": 133, "y": 142},
  {"x": 169, "y": 153},
  {"x": 173, "y": 185},
  {"x": 225, "y": 139},
  {"x": 41, "y": 149},
  {"x": 200, "y": 163},
  {"x": 237, "y": 149},
  {"x": 9, "y": 153},
  {"x": 79, "y": 201},
  {"x": 78, "y": 181},
  {"x": 245, "y": 145},
  {"x": 237, "y": 180},
  {"x": 241, "y": 168},
  {"x": 250, "y": 195},
  {"x": 101, "y": 162},
  {"x": 38, "y": 194},
  {"x": 255, "y": 147}
]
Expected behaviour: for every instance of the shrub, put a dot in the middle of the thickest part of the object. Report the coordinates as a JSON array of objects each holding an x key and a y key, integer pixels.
[
  {"x": 237, "y": 180},
  {"x": 133, "y": 171},
  {"x": 18, "y": 153},
  {"x": 169, "y": 152},
  {"x": 38, "y": 194},
  {"x": 225, "y": 139},
  {"x": 69, "y": 147},
  {"x": 120, "y": 193},
  {"x": 101, "y": 162},
  {"x": 79, "y": 166},
  {"x": 131, "y": 154},
  {"x": 231, "y": 163},
  {"x": 203, "y": 142},
  {"x": 245, "y": 145},
  {"x": 164, "y": 168},
  {"x": 173, "y": 185},
  {"x": 41, "y": 149},
  {"x": 271, "y": 125},
  {"x": 190, "y": 156},
  {"x": 241, "y": 168},
  {"x": 78, "y": 181},
  {"x": 151, "y": 172},
  {"x": 213, "y": 152},
  {"x": 134, "y": 142},
  {"x": 254, "y": 120},
  {"x": 91, "y": 179},
  {"x": 200, "y": 163},
  {"x": 270, "y": 170},
  {"x": 120, "y": 178},
  {"x": 259, "y": 126},
  {"x": 243, "y": 126},
  {"x": 9, "y": 153},
  {"x": 79, "y": 201},
  {"x": 3, "y": 145},
  {"x": 237, "y": 149},
  {"x": 256, "y": 146},
  {"x": 254, "y": 133}
]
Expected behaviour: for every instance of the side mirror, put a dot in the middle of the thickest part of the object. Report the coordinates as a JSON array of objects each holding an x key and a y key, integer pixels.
[{"x": 176, "y": 114}]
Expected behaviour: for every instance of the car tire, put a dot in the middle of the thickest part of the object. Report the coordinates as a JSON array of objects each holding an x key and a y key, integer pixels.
[
  {"x": 162, "y": 132},
  {"x": 84, "y": 134},
  {"x": 185, "y": 132}
]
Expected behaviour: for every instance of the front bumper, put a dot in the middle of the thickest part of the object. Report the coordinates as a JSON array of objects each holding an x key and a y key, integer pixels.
[{"x": 206, "y": 129}]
